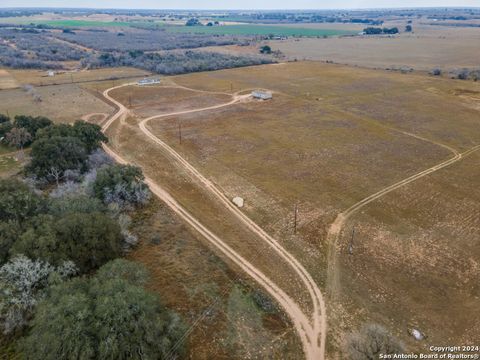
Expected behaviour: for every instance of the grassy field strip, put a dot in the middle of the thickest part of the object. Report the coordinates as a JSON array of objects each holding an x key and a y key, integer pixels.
[{"x": 333, "y": 279}]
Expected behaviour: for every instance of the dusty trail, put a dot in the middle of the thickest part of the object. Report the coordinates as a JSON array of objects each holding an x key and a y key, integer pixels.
[
  {"x": 333, "y": 280},
  {"x": 312, "y": 331}
]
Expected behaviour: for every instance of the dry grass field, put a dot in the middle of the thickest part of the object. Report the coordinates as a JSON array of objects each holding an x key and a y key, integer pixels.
[
  {"x": 152, "y": 100},
  {"x": 7, "y": 81},
  {"x": 39, "y": 77},
  {"x": 416, "y": 257},
  {"x": 331, "y": 136},
  {"x": 192, "y": 280},
  {"x": 427, "y": 47},
  {"x": 61, "y": 103}
]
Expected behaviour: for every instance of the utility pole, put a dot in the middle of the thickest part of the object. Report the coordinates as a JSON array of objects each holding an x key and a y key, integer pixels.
[
  {"x": 129, "y": 101},
  {"x": 295, "y": 219},
  {"x": 231, "y": 87},
  {"x": 350, "y": 247},
  {"x": 71, "y": 77},
  {"x": 8, "y": 114},
  {"x": 180, "y": 133}
]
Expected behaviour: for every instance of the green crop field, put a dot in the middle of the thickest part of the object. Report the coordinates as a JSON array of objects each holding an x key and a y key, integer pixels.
[{"x": 257, "y": 30}]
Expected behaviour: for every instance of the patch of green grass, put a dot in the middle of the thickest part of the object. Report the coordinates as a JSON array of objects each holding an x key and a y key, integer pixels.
[{"x": 257, "y": 30}]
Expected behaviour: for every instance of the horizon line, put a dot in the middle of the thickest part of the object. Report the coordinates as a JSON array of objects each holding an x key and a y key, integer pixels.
[{"x": 240, "y": 9}]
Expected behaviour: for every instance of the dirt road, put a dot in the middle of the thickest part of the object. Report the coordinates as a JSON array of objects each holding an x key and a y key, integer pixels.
[
  {"x": 311, "y": 330},
  {"x": 333, "y": 277}
]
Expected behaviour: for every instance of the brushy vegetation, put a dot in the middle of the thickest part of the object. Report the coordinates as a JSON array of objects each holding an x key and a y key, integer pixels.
[
  {"x": 68, "y": 219},
  {"x": 144, "y": 40},
  {"x": 31, "y": 48},
  {"x": 119, "y": 319},
  {"x": 371, "y": 341},
  {"x": 175, "y": 62}
]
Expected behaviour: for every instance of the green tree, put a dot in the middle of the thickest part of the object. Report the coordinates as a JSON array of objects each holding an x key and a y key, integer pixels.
[
  {"x": 9, "y": 232},
  {"x": 106, "y": 317},
  {"x": 5, "y": 128},
  {"x": 32, "y": 124},
  {"x": 51, "y": 157},
  {"x": 265, "y": 49},
  {"x": 4, "y": 118},
  {"x": 87, "y": 239},
  {"x": 89, "y": 134},
  {"x": 17, "y": 201}
]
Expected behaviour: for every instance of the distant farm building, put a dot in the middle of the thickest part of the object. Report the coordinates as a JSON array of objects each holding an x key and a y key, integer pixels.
[
  {"x": 148, "y": 81},
  {"x": 50, "y": 73},
  {"x": 262, "y": 95}
]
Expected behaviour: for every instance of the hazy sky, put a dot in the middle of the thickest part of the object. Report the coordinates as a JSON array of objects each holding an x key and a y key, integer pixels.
[{"x": 237, "y": 4}]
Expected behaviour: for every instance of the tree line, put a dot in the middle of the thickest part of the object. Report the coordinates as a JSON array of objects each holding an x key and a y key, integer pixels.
[{"x": 174, "y": 62}]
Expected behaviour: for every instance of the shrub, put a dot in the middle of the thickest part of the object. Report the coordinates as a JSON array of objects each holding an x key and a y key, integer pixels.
[
  {"x": 4, "y": 118},
  {"x": 9, "y": 232},
  {"x": 22, "y": 282},
  {"x": 31, "y": 124},
  {"x": 17, "y": 201},
  {"x": 99, "y": 158},
  {"x": 18, "y": 137},
  {"x": 265, "y": 49},
  {"x": 371, "y": 341},
  {"x": 121, "y": 184},
  {"x": 5, "y": 128},
  {"x": 107, "y": 317},
  {"x": 88, "y": 239}
]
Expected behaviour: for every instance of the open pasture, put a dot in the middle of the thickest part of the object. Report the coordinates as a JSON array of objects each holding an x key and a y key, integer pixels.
[
  {"x": 424, "y": 49},
  {"x": 39, "y": 77},
  {"x": 7, "y": 81},
  {"x": 153, "y": 100},
  {"x": 330, "y": 137},
  {"x": 61, "y": 103}
]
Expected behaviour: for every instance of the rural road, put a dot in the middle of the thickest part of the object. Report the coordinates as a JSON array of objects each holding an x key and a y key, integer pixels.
[{"x": 311, "y": 330}]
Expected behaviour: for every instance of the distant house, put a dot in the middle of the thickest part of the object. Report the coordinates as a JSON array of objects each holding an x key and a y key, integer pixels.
[
  {"x": 148, "y": 82},
  {"x": 50, "y": 73},
  {"x": 262, "y": 95}
]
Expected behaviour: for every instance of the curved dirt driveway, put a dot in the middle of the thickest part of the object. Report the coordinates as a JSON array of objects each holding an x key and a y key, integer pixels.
[{"x": 312, "y": 331}]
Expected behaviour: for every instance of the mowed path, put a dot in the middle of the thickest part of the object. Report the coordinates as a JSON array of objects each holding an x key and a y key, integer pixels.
[{"x": 311, "y": 329}]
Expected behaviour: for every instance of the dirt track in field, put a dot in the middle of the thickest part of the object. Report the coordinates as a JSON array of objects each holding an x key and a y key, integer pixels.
[{"x": 312, "y": 330}]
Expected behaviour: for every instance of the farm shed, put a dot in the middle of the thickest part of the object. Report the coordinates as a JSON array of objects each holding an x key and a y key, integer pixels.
[
  {"x": 262, "y": 95},
  {"x": 148, "y": 82}
]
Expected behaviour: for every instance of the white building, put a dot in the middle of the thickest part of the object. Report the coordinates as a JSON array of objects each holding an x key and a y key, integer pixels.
[
  {"x": 148, "y": 82},
  {"x": 262, "y": 95},
  {"x": 50, "y": 73}
]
